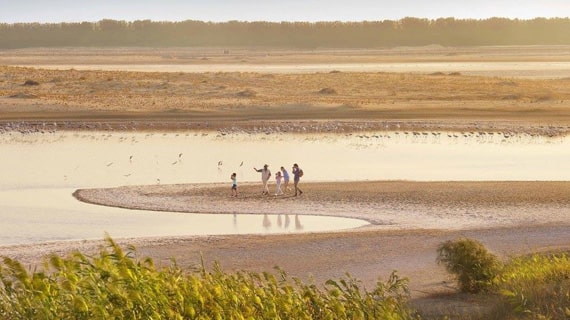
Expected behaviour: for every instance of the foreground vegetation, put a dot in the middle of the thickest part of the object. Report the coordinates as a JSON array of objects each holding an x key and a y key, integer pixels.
[
  {"x": 113, "y": 285},
  {"x": 116, "y": 285},
  {"x": 534, "y": 287}
]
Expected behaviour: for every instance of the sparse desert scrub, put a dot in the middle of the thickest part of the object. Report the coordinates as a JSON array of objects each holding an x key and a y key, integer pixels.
[{"x": 373, "y": 95}]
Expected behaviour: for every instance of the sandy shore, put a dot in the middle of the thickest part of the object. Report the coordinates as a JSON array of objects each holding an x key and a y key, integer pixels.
[
  {"x": 394, "y": 205},
  {"x": 408, "y": 221}
]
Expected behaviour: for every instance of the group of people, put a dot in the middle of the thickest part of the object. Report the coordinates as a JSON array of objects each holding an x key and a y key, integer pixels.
[{"x": 281, "y": 178}]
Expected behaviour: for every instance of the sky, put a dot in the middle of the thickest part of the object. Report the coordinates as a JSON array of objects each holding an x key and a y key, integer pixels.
[{"x": 12, "y": 11}]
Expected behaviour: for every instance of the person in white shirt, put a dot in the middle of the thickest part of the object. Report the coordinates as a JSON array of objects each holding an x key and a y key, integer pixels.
[{"x": 265, "y": 175}]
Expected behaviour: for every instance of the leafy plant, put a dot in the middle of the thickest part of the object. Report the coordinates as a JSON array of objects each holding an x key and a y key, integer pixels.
[
  {"x": 115, "y": 285},
  {"x": 469, "y": 261},
  {"x": 538, "y": 286}
]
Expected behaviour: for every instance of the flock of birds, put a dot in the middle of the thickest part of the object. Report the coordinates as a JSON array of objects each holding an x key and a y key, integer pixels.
[{"x": 420, "y": 136}]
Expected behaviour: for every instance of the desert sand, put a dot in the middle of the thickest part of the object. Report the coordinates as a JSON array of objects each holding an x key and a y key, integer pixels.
[{"x": 408, "y": 219}]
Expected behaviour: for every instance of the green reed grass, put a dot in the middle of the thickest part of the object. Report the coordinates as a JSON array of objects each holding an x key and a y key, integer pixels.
[
  {"x": 115, "y": 285},
  {"x": 537, "y": 286}
]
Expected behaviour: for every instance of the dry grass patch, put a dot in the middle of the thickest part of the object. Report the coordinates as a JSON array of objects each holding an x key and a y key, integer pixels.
[{"x": 376, "y": 95}]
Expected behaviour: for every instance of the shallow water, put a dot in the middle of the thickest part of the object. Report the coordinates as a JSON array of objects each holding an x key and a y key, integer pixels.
[
  {"x": 98, "y": 159},
  {"x": 522, "y": 69},
  {"x": 40, "y": 215},
  {"x": 40, "y": 171}
]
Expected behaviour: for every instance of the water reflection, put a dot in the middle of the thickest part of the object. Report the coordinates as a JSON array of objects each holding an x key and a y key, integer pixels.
[
  {"x": 298, "y": 225},
  {"x": 40, "y": 215},
  {"x": 267, "y": 224}
]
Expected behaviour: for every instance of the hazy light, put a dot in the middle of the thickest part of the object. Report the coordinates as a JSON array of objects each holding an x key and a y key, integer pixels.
[{"x": 274, "y": 10}]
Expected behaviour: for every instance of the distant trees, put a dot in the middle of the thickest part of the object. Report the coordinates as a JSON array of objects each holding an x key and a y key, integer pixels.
[{"x": 366, "y": 34}]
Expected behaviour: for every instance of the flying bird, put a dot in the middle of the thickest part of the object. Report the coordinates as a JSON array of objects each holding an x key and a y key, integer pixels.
[
  {"x": 241, "y": 164},
  {"x": 109, "y": 164},
  {"x": 219, "y": 163}
]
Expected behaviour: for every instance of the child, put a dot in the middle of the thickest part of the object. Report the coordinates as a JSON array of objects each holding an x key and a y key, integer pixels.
[
  {"x": 285, "y": 179},
  {"x": 278, "y": 178},
  {"x": 234, "y": 185}
]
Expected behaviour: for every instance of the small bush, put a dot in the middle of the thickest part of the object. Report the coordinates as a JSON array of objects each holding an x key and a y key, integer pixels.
[
  {"x": 469, "y": 261},
  {"x": 247, "y": 93},
  {"x": 31, "y": 83},
  {"x": 327, "y": 91},
  {"x": 23, "y": 96}
]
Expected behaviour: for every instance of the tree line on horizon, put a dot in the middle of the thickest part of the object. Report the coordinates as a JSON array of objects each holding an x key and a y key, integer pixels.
[{"x": 365, "y": 34}]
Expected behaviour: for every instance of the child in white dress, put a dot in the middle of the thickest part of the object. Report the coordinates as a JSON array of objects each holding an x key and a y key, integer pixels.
[{"x": 278, "y": 179}]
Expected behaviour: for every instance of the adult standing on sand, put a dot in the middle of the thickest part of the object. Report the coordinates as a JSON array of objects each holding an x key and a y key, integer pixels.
[
  {"x": 297, "y": 174},
  {"x": 265, "y": 175}
]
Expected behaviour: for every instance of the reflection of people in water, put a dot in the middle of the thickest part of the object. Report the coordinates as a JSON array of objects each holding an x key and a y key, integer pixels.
[
  {"x": 266, "y": 222},
  {"x": 279, "y": 222},
  {"x": 287, "y": 221},
  {"x": 298, "y": 225}
]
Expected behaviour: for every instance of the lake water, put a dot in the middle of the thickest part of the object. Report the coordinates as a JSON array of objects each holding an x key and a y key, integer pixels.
[
  {"x": 521, "y": 69},
  {"x": 40, "y": 171}
]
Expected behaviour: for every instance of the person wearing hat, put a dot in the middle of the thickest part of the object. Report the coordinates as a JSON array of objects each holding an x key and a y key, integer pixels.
[{"x": 265, "y": 176}]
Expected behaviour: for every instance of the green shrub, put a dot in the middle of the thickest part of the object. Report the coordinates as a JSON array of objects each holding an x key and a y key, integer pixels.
[{"x": 469, "y": 261}]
